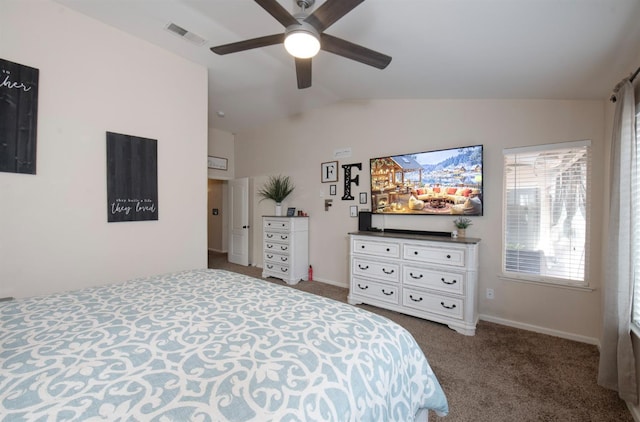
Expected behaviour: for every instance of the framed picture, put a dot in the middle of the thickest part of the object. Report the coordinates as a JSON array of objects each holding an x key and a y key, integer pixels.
[
  {"x": 329, "y": 172},
  {"x": 332, "y": 190},
  {"x": 291, "y": 211},
  {"x": 217, "y": 163},
  {"x": 363, "y": 197},
  {"x": 353, "y": 210}
]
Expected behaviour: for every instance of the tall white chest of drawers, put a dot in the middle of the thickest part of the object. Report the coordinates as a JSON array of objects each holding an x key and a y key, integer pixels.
[
  {"x": 429, "y": 277},
  {"x": 285, "y": 242}
]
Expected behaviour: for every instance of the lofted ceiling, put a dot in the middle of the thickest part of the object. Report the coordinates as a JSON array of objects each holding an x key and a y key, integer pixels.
[{"x": 538, "y": 49}]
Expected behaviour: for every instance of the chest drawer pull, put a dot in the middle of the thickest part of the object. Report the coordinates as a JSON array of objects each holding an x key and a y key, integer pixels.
[
  {"x": 387, "y": 293},
  {"x": 449, "y": 282},
  {"x": 366, "y": 267},
  {"x": 269, "y": 235},
  {"x": 283, "y": 258},
  {"x": 284, "y": 237},
  {"x": 269, "y": 256},
  {"x": 448, "y": 256},
  {"x": 362, "y": 288},
  {"x": 388, "y": 272},
  {"x": 269, "y": 246},
  {"x": 448, "y": 307},
  {"x": 418, "y": 277},
  {"x": 284, "y": 248},
  {"x": 415, "y": 252},
  {"x": 284, "y": 270},
  {"x": 414, "y": 299},
  {"x": 388, "y": 249},
  {"x": 270, "y": 266}
]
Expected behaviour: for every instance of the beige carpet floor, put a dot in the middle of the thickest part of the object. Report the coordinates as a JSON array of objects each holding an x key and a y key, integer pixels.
[{"x": 501, "y": 373}]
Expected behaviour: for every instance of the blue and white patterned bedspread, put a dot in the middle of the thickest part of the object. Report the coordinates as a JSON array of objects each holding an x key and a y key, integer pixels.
[{"x": 207, "y": 345}]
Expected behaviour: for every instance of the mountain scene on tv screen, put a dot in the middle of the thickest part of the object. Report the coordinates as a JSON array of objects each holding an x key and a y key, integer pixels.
[{"x": 435, "y": 182}]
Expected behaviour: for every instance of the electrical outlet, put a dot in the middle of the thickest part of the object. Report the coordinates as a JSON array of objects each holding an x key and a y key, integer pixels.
[{"x": 490, "y": 294}]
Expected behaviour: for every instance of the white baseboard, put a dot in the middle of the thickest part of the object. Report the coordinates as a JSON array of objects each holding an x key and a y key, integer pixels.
[
  {"x": 635, "y": 412},
  {"x": 541, "y": 330},
  {"x": 331, "y": 282}
]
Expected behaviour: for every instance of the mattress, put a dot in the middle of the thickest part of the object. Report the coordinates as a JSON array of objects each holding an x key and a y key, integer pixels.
[{"x": 207, "y": 345}]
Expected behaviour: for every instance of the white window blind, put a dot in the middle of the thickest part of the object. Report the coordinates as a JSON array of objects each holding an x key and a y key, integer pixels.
[{"x": 546, "y": 212}]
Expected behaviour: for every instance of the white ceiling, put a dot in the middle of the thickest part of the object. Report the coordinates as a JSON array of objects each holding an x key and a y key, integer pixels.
[{"x": 551, "y": 49}]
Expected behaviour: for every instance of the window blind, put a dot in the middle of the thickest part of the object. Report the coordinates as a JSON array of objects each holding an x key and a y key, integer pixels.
[{"x": 546, "y": 212}]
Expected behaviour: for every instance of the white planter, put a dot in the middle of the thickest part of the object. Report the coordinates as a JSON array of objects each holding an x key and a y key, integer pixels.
[{"x": 278, "y": 209}]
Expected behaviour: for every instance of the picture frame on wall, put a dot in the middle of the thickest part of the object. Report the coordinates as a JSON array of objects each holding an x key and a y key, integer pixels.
[
  {"x": 332, "y": 190},
  {"x": 363, "y": 197},
  {"x": 291, "y": 211},
  {"x": 329, "y": 172},
  {"x": 217, "y": 163}
]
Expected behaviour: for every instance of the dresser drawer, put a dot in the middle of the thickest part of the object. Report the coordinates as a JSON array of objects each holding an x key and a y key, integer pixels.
[
  {"x": 375, "y": 290},
  {"x": 374, "y": 248},
  {"x": 276, "y": 247},
  {"x": 433, "y": 303},
  {"x": 276, "y": 258},
  {"x": 377, "y": 269},
  {"x": 277, "y": 237},
  {"x": 429, "y": 278},
  {"x": 276, "y": 224},
  {"x": 276, "y": 269},
  {"x": 435, "y": 255}
]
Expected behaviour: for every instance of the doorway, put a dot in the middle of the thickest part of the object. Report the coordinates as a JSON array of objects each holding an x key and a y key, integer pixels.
[{"x": 217, "y": 221}]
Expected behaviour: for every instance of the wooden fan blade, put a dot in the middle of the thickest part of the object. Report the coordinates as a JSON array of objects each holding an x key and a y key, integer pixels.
[
  {"x": 353, "y": 51},
  {"x": 277, "y": 11},
  {"x": 330, "y": 11},
  {"x": 234, "y": 47},
  {"x": 303, "y": 73}
]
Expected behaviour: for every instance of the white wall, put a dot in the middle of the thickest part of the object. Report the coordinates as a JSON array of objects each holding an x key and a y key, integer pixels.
[
  {"x": 297, "y": 146},
  {"x": 54, "y": 233},
  {"x": 221, "y": 145}
]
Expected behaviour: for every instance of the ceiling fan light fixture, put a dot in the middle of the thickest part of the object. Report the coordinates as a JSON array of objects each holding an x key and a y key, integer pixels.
[{"x": 302, "y": 42}]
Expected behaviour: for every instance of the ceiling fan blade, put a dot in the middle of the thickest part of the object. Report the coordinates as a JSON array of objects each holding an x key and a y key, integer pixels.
[
  {"x": 277, "y": 11},
  {"x": 303, "y": 73},
  {"x": 234, "y": 47},
  {"x": 353, "y": 51},
  {"x": 330, "y": 11}
]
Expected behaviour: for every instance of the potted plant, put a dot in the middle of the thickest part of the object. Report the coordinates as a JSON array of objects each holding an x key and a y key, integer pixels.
[
  {"x": 277, "y": 189},
  {"x": 461, "y": 224}
]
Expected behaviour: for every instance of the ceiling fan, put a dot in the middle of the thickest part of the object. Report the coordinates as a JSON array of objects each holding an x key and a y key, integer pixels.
[{"x": 304, "y": 36}]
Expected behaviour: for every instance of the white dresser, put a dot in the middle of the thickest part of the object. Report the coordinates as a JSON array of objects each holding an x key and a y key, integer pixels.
[
  {"x": 285, "y": 242},
  {"x": 429, "y": 277}
]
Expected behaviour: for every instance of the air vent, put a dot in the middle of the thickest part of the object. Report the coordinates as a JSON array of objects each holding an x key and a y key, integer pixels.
[{"x": 183, "y": 33}]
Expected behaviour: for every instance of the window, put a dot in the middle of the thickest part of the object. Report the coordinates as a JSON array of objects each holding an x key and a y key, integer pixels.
[{"x": 546, "y": 213}]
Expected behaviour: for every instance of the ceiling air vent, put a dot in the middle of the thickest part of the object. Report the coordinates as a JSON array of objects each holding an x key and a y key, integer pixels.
[{"x": 183, "y": 33}]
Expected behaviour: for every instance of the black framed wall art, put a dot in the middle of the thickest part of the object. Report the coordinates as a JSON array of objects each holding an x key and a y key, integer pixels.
[
  {"x": 18, "y": 117},
  {"x": 132, "y": 178}
]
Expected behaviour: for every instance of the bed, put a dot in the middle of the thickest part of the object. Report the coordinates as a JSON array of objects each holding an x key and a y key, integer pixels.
[{"x": 207, "y": 345}]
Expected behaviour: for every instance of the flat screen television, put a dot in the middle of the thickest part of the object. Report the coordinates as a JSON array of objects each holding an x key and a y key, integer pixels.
[{"x": 442, "y": 182}]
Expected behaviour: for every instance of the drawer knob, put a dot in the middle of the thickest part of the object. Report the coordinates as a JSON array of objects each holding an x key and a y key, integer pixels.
[
  {"x": 449, "y": 282},
  {"x": 415, "y": 252},
  {"x": 448, "y": 256},
  {"x": 366, "y": 267},
  {"x": 388, "y": 272},
  {"x": 387, "y": 293},
  {"x": 362, "y": 288},
  {"x": 362, "y": 246},
  {"x": 414, "y": 299},
  {"x": 387, "y": 249},
  {"x": 418, "y": 277},
  {"x": 448, "y": 307}
]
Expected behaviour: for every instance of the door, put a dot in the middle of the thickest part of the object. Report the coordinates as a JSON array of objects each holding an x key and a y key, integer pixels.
[{"x": 239, "y": 221}]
